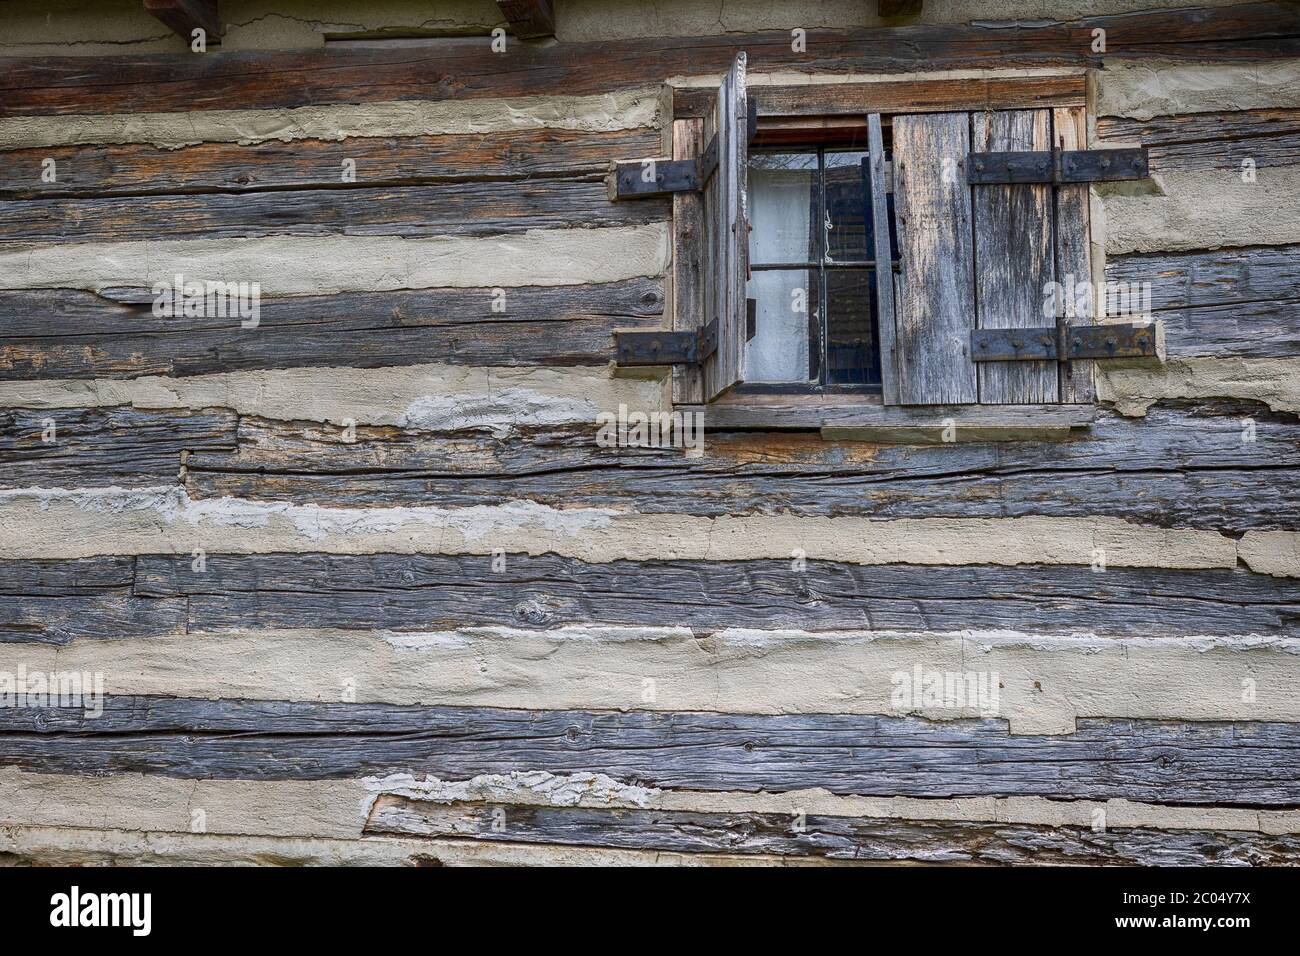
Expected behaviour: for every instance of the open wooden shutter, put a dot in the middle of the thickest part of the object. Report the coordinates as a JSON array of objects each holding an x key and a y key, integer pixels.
[{"x": 726, "y": 232}]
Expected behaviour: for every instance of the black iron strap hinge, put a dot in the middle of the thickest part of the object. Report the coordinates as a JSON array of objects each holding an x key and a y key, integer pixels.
[
  {"x": 1063, "y": 343},
  {"x": 647, "y": 178},
  {"x": 665, "y": 347},
  {"x": 1057, "y": 166}
]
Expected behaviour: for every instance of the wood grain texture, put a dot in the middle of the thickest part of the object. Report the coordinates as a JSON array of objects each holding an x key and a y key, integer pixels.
[
  {"x": 452, "y": 209},
  {"x": 67, "y": 333},
  {"x": 886, "y": 322},
  {"x": 911, "y": 96},
  {"x": 835, "y": 838},
  {"x": 1228, "y": 302},
  {"x": 417, "y": 592},
  {"x": 1073, "y": 250},
  {"x": 1233, "y": 764},
  {"x": 936, "y": 309},
  {"x": 55, "y": 602},
  {"x": 104, "y": 446},
  {"x": 689, "y": 279},
  {"x": 1014, "y": 258},
  {"x": 1203, "y": 141},
  {"x": 460, "y": 68},
  {"x": 1177, "y": 467},
  {"x": 91, "y": 170},
  {"x": 49, "y": 602},
  {"x": 726, "y": 238}
]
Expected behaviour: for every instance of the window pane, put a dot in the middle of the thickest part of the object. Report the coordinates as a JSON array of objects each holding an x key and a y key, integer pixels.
[
  {"x": 786, "y": 322},
  {"x": 848, "y": 207},
  {"x": 850, "y": 343},
  {"x": 782, "y": 207}
]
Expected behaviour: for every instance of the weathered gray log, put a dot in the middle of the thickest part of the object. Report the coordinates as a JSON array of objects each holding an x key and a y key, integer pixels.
[
  {"x": 1201, "y": 141},
  {"x": 1235, "y": 764},
  {"x": 104, "y": 446},
  {"x": 1228, "y": 302},
  {"x": 835, "y": 838},
  {"x": 453, "y": 209},
  {"x": 892, "y": 97},
  {"x": 1177, "y": 467},
  {"x": 54, "y": 602},
  {"x": 74, "y": 334},
  {"x": 415, "y": 592},
  {"x": 89, "y": 170},
  {"x": 462, "y": 68}
]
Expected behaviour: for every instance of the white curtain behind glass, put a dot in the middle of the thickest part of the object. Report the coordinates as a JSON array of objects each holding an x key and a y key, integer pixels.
[{"x": 779, "y": 200}]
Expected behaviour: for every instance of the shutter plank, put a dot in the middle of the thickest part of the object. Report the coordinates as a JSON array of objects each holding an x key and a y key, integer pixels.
[
  {"x": 729, "y": 235},
  {"x": 936, "y": 303},
  {"x": 1013, "y": 256},
  {"x": 1073, "y": 248},
  {"x": 883, "y": 256},
  {"x": 688, "y": 265}
]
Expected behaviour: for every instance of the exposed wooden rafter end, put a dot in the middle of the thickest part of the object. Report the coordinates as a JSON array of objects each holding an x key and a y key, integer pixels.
[
  {"x": 899, "y": 8},
  {"x": 185, "y": 16},
  {"x": 529, "y": 19}
]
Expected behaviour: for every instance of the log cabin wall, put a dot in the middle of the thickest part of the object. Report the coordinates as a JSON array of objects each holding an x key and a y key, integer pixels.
[{"x": 362, "y": 587}]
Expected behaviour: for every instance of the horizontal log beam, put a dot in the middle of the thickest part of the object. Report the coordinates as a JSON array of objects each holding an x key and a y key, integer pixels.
[
  {"x": 1225, "y": 303},
  {"x": 834, "y": 838},
  {"x": 911, "y": 96},
  {"x": 1176, "y": 467},
  {"x": 466, "y": 67},
  {"x": 1201, "y": 141},
  {"x": 74, "y": 334},
  {"x": 1233, "y": 764},
  {"x": 450, "y": 209},
  {"x": 81, "y": 447},
  {"x": 430, "y": 592},
  {"x": 91, "y": 170}
]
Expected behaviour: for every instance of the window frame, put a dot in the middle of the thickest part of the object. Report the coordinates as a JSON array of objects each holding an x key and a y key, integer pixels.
[{"x": 821, "y": 110}]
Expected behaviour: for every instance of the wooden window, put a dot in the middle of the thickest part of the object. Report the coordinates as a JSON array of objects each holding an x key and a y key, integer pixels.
[{"x": 812, "y": 195}]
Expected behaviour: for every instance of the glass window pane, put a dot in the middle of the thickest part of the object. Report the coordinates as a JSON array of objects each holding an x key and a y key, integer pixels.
[
  {"x": 782, "y": 207},
  {"x": 848, "y": 207},
  {"x": 785, "y": 344},
  {"x": 850, "y": 341}
]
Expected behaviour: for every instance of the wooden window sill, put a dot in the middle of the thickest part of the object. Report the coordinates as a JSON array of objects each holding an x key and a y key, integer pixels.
[{"x": 871, "y": 421}]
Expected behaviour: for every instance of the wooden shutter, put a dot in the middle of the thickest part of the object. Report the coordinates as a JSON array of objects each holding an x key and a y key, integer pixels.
[
  {"x": 981, "y": 257},
  {"x": 726, "y": 232},
  {"x": 935, "y": 307},
  {"x": 1013, "y": 256}
]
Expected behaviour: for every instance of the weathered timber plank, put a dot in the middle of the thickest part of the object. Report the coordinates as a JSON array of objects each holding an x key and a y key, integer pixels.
[
  {"x": 1235, "y": 764},
  {"x": 449, "y": 209},
  {"x": 529, "y": 19},
  {"x": 1072, "y": 245},
  {"x": 90, "y": 170},
  {"x": 186, "y": 16},
  {"x": 912, "y": 96},
  {"x": 1014, "y": 257},
  {"x": 1177, "y": 467},
  {"x": 936, "y": 310},
  {"x": 458, "y": 68},
  {"x": 420, "y": 592},
  {"x": 1229, "y": 302},
  {"x": 68, "y": 333},
  {"x": 689, "y": 292},
  {"x": 90, "y": 447},
  {"x": 836, "y": 838},
  {"x": 1202, "y": 141},
  {"x": 54, "y": 602}
]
